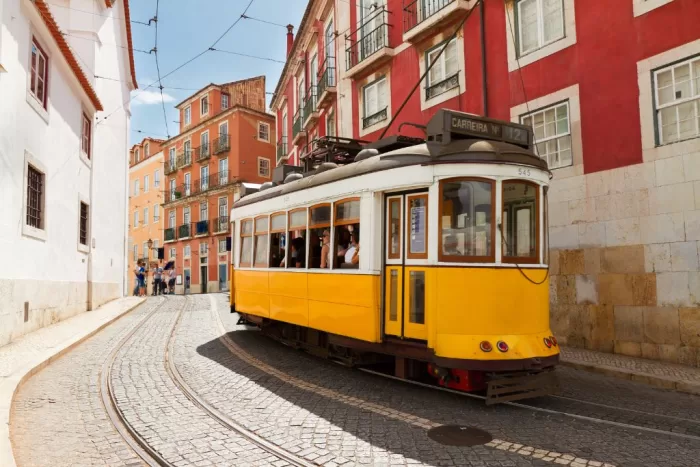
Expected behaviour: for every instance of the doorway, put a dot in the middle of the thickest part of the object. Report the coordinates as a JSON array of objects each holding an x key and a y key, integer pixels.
[
  {"x": 203, "y": 278},
  {"x": 406, "y": 254}
]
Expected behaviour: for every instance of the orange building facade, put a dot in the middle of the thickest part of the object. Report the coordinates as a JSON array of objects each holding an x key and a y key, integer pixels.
[
  {"x": 226, "y": 140},
  {"x": 146, "y": 185}
]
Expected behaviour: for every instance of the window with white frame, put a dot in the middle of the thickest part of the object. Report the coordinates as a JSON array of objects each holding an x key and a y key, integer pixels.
[
  {"x": 137, "y": 185},
  {"x": 224, "y": 101},
  {"x": 263, "y": 167},
  {"x": 374, "y": 102},
  {"x": 145, "y": 215},
  {"x": 444, "y": 75},
  {"x": 156, "y": 213},
  {"x": 172, "y": 253},
  {"x": 678, "y": 101},
  {"x": 539, "y": 23},
  {"x": 171, "y": 159},
  {"x": 86, "y": 133},
  {"x": 203, "y": 251},
  {"x": 204, "y": 105},
  {"x": 186, "y": 252},
  {"x": 203, "y": 211},
  {"x": 146, "y": 183},
  {"x": 330, "y": 123},
  {"x": 145, "y": 250},
  {"x": 136, "y": 218},
  {"x": 39, "y": 73},
  {"x": 187, "y": 184},
  {"x": 156, "y": 178},
  {"x": 186, "y": 215},
  {"x": 264, "y": 131},
  {"x": 146, "y": 150},
  {"x": 136, "y": 252},
  {"x": 138, "y": 155},
  {"x": 172, "y": 189},
  {"x": 552, "y": 129},
  {"x": 35, "y": 197},
  {"x": 171, "y": 219},
  {"x": 187, "y": 114},
  {"x": 222, "y": 245},
  {"x": 223, "y": 172}
]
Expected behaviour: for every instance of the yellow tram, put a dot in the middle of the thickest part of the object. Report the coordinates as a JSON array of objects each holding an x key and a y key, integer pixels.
[{"x": 427, "y": 258}]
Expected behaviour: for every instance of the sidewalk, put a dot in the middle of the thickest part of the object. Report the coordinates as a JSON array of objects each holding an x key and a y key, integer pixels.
[
  {"x": 24, "y": 357},
  {"x": 652, "y": 372}
]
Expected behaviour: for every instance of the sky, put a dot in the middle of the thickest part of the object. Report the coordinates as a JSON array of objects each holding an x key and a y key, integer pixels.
[{"x": 187, "y": 27}]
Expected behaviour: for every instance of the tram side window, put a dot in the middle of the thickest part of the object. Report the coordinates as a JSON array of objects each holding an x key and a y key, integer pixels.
[
  {"x": 297, "y": 239},
  {"x": 278, "y": 237},
  {"x": 347, "y": 234},
  {"x": 261, "y": 237},
  {"x": 246, "y": 243},
  {"x": 466, "y": 225},
  {"x": 319, "y": 242},
  {"x": 520, "y": 220}
]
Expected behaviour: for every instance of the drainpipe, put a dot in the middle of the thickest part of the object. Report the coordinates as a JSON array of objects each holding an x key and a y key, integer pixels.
[
  {"x": 91, "y": 217},
  {"x": 484, "y": 90}
]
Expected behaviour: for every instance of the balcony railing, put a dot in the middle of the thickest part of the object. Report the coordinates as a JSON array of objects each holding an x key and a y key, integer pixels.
[
  {"x": 417, "y": 11},
  {"x": 327, "y": 79},
  {"x": 169, "y": 234},
  {"x": 298, "y": 122},
  {"x": 184, "y": 158},
  {"x": 221, "y": 224},
  {"x": 201, "y": 185},
  {"x": 368, "y": 39},
  {"x": 184, "y": 231},
  {"x": 281, "y": 148},
  {"x": 202, "y": 227},
  {"x": 442, "y": 86},
  {"x": 221, "y": 144},
  {"x": 310, "y": 102},
  {"x": 170, "y": 166},
  {"x": 202, "y": 153},
  {"x": 374, "y": 118}
]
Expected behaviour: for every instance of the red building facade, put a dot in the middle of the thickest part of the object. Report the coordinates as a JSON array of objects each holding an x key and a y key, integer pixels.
[{"x": 612, "y": 90}]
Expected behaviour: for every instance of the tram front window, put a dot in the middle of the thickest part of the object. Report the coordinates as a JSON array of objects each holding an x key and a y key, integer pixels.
[
  {"x": 466, "y": 220},
  {"x": 520, "y": 219}
]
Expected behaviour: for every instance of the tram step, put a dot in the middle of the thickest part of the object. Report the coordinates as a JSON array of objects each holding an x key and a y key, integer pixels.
[{"x": 518, "y": 386}]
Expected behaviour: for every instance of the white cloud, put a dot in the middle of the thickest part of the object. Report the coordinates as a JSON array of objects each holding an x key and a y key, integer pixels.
[{"x": 149, "y": 97}]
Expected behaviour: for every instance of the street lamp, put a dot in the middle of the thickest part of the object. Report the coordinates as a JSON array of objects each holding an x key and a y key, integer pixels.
[{"x": 150, "y": 244}]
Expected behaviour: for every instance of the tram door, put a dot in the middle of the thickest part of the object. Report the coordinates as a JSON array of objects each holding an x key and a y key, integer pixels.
[{"x": 406, "y": 250}]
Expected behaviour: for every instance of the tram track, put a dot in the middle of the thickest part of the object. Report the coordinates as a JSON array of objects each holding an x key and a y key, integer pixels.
[{"x": 130, "y": 434}]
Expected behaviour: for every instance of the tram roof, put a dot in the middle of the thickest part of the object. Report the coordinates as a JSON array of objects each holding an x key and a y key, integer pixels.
[{"x": 457, "y": 151}]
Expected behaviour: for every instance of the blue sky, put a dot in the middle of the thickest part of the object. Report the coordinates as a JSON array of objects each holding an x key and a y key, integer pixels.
[{"x": 185, "y": 28}]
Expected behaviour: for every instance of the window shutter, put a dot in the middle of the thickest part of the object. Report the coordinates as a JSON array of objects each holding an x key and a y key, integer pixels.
[
  {"x": 552, "y": 18},
  {"x": 451, "y": 62}
]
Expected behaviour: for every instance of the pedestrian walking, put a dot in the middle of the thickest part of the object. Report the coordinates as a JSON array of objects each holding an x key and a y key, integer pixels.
[
  {"x": 157, "y": 278},
  {"x": 142, "y": 279},
  {"x": 136, "y": 278}
]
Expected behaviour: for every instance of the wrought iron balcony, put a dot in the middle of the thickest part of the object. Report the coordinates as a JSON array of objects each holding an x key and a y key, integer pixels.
[
  {"x": 184, "y": 158},
  {"x": 220, "y": 179},
  {"x": 443, "y": 86},
  {"x": 184, "y": 231},
  {"x": 326, "y": 82},
  {"x": 221, "y": 145},
  {"x": 371, "y": 37},
  {"x": 202, "y": 228},
  {"x": 417, "y": 11},
  {"x": 169, "y": 234},
  {"x": 281, "y": 149},
  {"x": 298, "y": 126},
  {"x": 310, "y": 110},
  {"x": 221, "y": 224},
  {"x": 202, "y": 153},
  {"x": 169, "y": 166},
  {"x": 374, "y": 118}
]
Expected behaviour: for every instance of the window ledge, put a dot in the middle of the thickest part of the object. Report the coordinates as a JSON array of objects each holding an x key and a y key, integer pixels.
[
  {"x": 373, "y": 61},
  {"x": 38, "y": 108},
  {"x": 83, "y": 248},
  {"x": 377, "y": 126},
  {"x": 641, "y": 7},
  {"x": 29, "y": 231},
  {"x": 426, "y": 27},
  {"x": 445, "y": 96},
  {"x": 542, "y": 52}
]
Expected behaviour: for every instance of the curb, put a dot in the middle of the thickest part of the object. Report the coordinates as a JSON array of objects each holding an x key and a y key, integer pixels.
[
  {"x": 18, "y": 378},
  {"x": 644, "y": 378}
]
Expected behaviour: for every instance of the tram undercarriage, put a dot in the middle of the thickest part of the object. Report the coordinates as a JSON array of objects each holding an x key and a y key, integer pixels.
[{"x": 498, "y": 382}]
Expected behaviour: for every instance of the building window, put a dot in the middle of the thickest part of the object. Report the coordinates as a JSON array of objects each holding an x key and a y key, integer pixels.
[
  {"x": 374, "y": 100},
  {"x": 39, "y": 73},
  {"x": 186, "y": 251},
  {"x": 145, "y": 251},
  {"x": 146, "y": 150},
  {"x": 172, "y": 253},
  {"x": 188, "y": 115},
  {"x": 138, "y": 155},
  {"x": 552, "y": 134},
  {"x": 222, "y": 245},
  {"x": 171, "y": 159},
  {"x": 136, "y": 187},
  {"x": 172, "y": 189},
  {"x": 263, "y": 167},
  {"x": 85, "y": 138},
  {"x": 187, "y": 184},
  {"x": 156, "y": 213},
  {"x": 136, "y": 218},
  {"x": 146, "y": 182},
  {"x": 145, "y": 215},
  {"x": 330, "y": 123},
  {"x": 204, "y": 105},
  {"x": 444, "y": 75},
  {"x": 35, "y": 198},
  {"x": 203, "y": 211},
  {"x": 224, "y": 101},
  {"x": 171, "y": 219},
  {"x": 539, "y": 23},
  {"x": 84, "y": 212},
  {"x": 156, "y": 178},
  {"x": 186, "y": 215},
  {"x": 136, "y": 252},
  {"x": 678, "y": 101},
  {"x": 264, "y": 132}
]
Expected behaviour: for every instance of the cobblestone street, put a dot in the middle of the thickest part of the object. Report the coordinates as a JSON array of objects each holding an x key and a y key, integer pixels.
[{"x": 194, "y": 388}]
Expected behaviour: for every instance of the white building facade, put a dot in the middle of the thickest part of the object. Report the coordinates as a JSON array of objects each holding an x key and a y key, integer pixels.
[{"x": 63, "y": 158}]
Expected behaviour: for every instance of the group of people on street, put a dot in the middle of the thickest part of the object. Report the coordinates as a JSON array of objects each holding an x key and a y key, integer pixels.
[{"x": 163, "y": 281}]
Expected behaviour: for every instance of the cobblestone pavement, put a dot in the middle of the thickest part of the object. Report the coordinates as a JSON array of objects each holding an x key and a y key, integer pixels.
[
  {"x": 162, "y": 415},
  {"x": 58, "y": 418}
]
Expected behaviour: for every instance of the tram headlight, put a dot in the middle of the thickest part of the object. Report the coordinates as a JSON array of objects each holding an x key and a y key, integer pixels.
[
  {"x": 485, "y": 346},
  {"x": 548, "y": 342},
  {"x": 502, "y": 346}
]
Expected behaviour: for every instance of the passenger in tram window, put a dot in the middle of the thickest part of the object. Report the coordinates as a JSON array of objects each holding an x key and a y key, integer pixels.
[
  {"x": 343, "y": 241},
  {"x": 298, "y": 253},
  {"x": 449, "y": 246},
  {"x": 352, "y": 254},
  {"x": 326, "y": 250}
]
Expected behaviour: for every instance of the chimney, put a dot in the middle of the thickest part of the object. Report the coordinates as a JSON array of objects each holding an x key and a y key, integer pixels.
[{"x": 290, "y": 38}]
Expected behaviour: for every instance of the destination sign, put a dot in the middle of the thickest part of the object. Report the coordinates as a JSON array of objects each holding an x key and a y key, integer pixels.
[{"x": 448, "y": 125}]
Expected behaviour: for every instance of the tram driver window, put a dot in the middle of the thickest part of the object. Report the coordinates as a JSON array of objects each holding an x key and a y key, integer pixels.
[
  {"x": 296, "y": 253},
  {"x": 466, "y": 220},
  {"x": 519, "y": 222},
  {"x": 261, "y": 237},
  {"x": 320, "y": 240},
  {"x": 278, "y": 237},
  {"x": 347, "y": 234},
  {"x": 246, "y": 243}
]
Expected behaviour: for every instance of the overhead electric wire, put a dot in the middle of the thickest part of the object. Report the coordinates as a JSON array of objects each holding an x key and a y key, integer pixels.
[
  {"x": 104, "y": 43},
  {"x": 95, "y": 14},
  {"x": 182, "y": 65},
  {"x": 263, "y": 21},
  {"x": 246, "y": 55},
  {"x": 160, "y": 83}
]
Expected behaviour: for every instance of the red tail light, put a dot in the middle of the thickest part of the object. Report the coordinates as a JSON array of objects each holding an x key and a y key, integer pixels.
[
  {"x": 548, "y": 342},
  {"x": 502, "y": 346},
  {"x": 485, "y": 346},
  {"x": 554, "y": 340}
]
